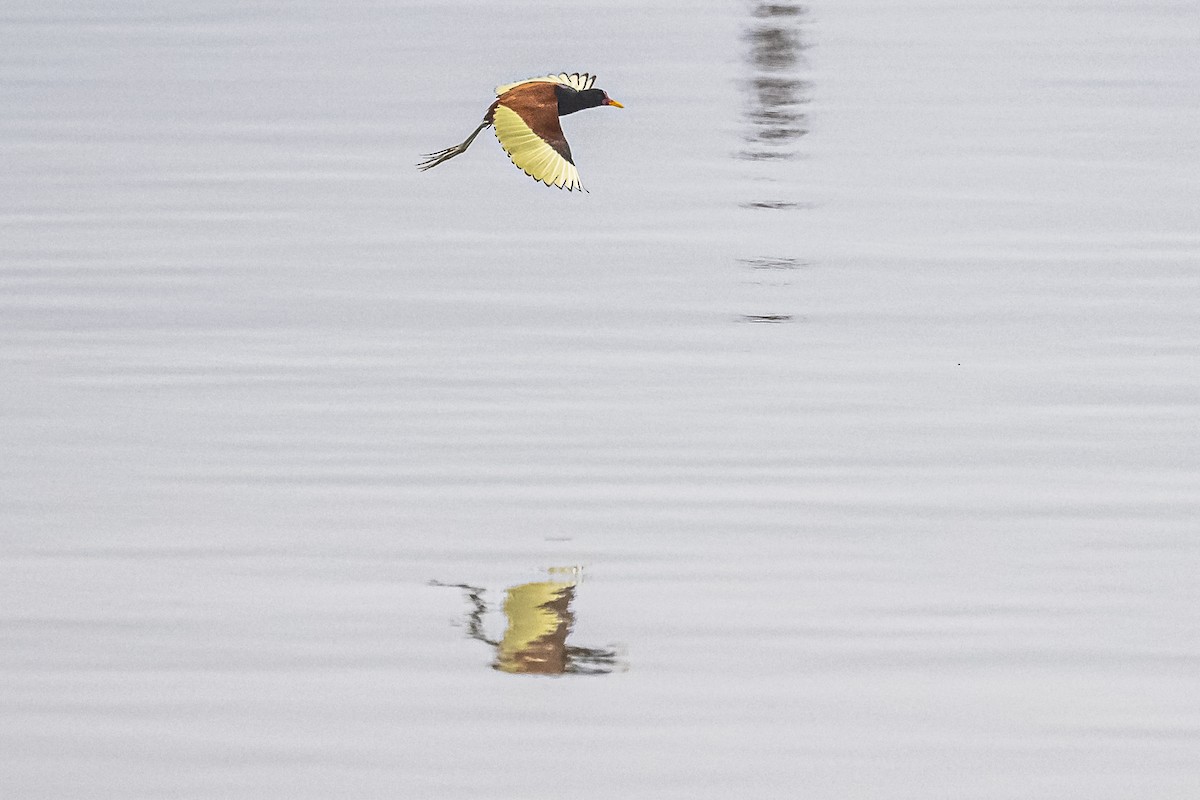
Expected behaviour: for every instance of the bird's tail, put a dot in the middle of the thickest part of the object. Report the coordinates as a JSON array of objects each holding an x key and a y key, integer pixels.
[{"x": 433, "y": 159}]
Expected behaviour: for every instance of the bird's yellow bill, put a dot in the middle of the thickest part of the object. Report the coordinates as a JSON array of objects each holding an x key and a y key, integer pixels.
[{"x": 612, "y": 102}]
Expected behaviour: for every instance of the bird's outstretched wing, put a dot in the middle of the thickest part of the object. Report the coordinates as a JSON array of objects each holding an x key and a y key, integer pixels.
[
  {"x": 578, "y": 81},
  {"x": 545, "y": 157}
]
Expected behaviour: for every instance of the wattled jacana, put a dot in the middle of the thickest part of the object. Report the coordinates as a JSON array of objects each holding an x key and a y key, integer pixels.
[{"x": 525, "y": 116}]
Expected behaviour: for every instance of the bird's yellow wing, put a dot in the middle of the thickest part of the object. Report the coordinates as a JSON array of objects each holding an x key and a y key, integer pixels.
[
  {"x": 532, "y": 153},
  {"x": 576, "y": 80}
]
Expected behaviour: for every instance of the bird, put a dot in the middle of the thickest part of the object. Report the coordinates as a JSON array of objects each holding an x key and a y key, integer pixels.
[{"x": 525, "y": 116}]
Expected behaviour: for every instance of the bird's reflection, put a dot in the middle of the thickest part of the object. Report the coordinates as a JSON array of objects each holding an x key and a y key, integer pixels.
[
  {"x": 775, "y": 112},
  {"x": 777, "y": 93},
  {"x": 539, "y": 620}
]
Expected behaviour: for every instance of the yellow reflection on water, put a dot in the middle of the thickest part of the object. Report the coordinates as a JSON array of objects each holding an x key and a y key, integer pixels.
[
  {"x": 538, "y": 623},
  {"x": 539, "y": 617}
]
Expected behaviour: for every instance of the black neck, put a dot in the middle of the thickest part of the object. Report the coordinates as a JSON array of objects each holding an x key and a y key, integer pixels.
[{"x": 570, "y": 101}]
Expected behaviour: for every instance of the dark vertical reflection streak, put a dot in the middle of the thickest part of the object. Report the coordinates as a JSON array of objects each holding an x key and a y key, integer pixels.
[{"x": 776, "y": 93}]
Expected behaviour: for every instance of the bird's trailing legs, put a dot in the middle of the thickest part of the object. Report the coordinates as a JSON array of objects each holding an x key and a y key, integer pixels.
[{"x": 433, "y": 159}]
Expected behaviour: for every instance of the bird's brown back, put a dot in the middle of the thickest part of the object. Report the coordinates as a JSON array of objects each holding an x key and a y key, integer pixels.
[{"x": 537, "y": 105}]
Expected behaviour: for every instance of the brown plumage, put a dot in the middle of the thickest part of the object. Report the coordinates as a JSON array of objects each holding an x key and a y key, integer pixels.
[
  {"x": 525, "y": 116},
  {"x": 537, "y": 105}
]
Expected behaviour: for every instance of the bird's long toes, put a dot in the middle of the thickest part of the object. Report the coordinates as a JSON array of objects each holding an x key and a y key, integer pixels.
[{"x": 433, "y": 159}]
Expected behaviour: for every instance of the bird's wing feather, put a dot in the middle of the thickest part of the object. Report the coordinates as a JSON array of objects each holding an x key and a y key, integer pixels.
[
  {"x": 576, "y": 80},
  {"x": 545, "y": 161}
]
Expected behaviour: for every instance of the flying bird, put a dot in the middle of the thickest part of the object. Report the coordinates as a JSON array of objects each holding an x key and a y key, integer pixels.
[{"x": 525, "y": 116}]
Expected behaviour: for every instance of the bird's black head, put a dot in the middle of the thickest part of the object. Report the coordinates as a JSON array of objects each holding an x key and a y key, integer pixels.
[{"x": 570, "y": 101}]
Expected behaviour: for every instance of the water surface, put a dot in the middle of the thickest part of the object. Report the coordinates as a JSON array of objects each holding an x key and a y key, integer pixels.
[{"x": 840, "y": 442}]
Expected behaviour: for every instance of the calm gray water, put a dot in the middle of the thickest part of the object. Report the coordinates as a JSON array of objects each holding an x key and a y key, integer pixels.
[{"x": 841, "y": 442}]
